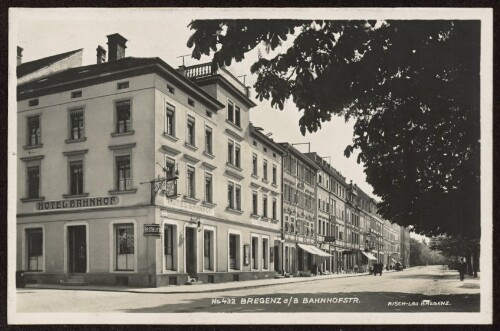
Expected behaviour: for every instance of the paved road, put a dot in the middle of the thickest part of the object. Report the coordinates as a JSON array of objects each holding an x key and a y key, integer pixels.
[{"x": 407, "y": 291}]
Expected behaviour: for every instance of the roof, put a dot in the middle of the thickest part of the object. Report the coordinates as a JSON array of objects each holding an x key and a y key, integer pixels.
[
  {"x": 79, "y": 77},
  {"x": 202, "y": 74},
  {"x": 289, "y": 148},
  {"x": 265, "y": 139},
  {"x": 28, "y": 67},
  {"x": 326, "y": 167}
]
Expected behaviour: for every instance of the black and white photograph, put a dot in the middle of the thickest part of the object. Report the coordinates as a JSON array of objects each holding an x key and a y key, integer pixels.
[{"x": 250, "y": 166}]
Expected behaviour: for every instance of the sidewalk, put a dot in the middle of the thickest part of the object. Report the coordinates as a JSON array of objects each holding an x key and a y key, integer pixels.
[{"x": 198, "y": 288}]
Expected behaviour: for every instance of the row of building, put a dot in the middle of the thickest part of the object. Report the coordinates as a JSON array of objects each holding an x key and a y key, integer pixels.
[{"x": 132, "y": 172}]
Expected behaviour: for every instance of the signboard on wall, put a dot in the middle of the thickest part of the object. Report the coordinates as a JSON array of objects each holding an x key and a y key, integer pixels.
[
  {"x": 170, "y": 188},
  {"x": 152, "y": 230},
  {"x": 79, "y": 203}
]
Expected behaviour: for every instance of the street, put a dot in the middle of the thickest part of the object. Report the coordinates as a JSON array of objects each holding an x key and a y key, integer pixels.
[{"x": 421, "y": 289}]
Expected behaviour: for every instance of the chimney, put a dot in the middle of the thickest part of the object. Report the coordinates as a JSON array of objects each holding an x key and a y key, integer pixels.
[
  {"x": 116, "y": 46},
  {"x": 182, "y": 70},
  {"x": 19, "y": 55},
  {"x": 101, "y": 54}
]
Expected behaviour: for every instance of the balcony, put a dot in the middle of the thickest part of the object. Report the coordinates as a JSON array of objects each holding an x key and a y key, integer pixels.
[{"x": 204, "y": 70}]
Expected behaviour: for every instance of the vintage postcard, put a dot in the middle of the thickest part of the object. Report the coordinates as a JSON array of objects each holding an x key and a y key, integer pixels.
[{"x": 250, "y": 166}]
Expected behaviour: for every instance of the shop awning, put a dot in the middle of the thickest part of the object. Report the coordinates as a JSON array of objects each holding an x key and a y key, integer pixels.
[
  {"x": 313, "y": 250},
  {"x": 369, "y": 256},
  {"x": 308, "y": 248},
  {"x": 320, "y": 252}
]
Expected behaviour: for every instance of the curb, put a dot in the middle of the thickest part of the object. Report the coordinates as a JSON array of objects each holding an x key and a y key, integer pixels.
[{"x": 139, "y": 291}]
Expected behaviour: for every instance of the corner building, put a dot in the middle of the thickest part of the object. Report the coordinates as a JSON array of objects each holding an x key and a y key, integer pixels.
[{"x": 95, "y": 145}]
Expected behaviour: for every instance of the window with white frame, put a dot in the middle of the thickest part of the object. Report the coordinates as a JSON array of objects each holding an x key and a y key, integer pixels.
[
  {"x": 233, "y": 153},
  {"x": 76, "y": 123},
  {"x": 275, "y": 213},
  {"x": 264, "y": 205},
  {"x": 264, "y": 169},
  {"x": 190, "y": 133},
  {"x": 33, "y": 182},
  {"x": 233, "y": 113},
  {"x": 170, "y": 120},
  {"x": 237, "y": 119},
  {"x": 169, "y": 167},
  {"x": 208, "y": 187},
  {"x": 208, "y": 140},
  {"x": 123, "y": 174},
  {"x": 255, "y": 203},
  {"x": 234, "y": 196},
  {"x": 169, "y": 246},
  {"x": 123, "y": 116},
  {"x": 34, "y": 131},
  {"x": 76, "y": 177},
  {"x": 230, "y": 111},
  {"x": 34, "y": 241},
  {"x": 191, "y": 183},
  {"x": 124, "y": 247},
  {"x": 254, "y": 164}
]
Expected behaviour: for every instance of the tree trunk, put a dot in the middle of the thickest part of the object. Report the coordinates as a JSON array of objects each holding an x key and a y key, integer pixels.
[
  {"x": 469, "y": 264},
  {"x": 475, "y": 260}
]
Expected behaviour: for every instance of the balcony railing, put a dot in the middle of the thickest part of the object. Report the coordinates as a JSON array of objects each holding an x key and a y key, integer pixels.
[{"x": 205, "y": 70}]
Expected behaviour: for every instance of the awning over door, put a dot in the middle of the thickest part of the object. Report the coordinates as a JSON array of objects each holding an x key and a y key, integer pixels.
[
  {"x": 307, "y": 248},
  {"x": 320, "y": 252},
  {"x": 369, "y": 256},
  {"x": 313, "y": 250}
]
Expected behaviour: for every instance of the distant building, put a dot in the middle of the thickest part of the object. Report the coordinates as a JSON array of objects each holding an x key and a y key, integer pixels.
[
  {"x": 299, "y": 212},
  {"x": 405, "y": 246},
  {"x": 331, "y": 196}
]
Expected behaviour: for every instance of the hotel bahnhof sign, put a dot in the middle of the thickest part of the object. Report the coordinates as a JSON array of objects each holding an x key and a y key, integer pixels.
[{"x": 80, "y": 203}]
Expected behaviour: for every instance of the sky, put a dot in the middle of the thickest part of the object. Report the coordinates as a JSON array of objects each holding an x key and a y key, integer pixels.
[{"x": 163, "y": 33}]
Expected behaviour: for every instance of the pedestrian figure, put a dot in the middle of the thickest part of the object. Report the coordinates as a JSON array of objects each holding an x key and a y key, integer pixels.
[
  {"x": 461, "y": 268},
  {"x": 381, "y": 268}
]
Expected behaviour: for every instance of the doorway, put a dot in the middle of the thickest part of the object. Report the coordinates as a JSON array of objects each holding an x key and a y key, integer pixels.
[
  {"x": 77, "y": 249},
  {"x": 191, "y": 250}
]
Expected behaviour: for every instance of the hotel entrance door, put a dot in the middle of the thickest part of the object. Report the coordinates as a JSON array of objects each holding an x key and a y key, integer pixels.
[{"x": 77, "y": 249}]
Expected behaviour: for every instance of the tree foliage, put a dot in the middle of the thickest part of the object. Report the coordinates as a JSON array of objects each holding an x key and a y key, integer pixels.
[
  {"x": 411, "y": 86},
  {"x": 421, "y": 254},
  {"x": 453, "y": 246},
  {"x": 457, "y": 247}
]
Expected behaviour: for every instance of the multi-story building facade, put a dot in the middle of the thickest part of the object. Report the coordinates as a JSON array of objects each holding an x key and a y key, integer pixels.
[
  {"x": 375, "y": 238},
  {"x": 353, "y": 228},
  {"x": 366, "y": 236},
  {"x": 299, "y": 212},
  {"x": 332, "y": 215},
  {"x": 266, "y": 183},
  {"x": 98, "y": 144}
]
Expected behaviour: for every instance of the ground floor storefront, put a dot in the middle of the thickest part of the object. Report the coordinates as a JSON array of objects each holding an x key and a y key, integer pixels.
[
  {"x": 301, "y": 257},
  {"x": 144, "y": 246}
]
